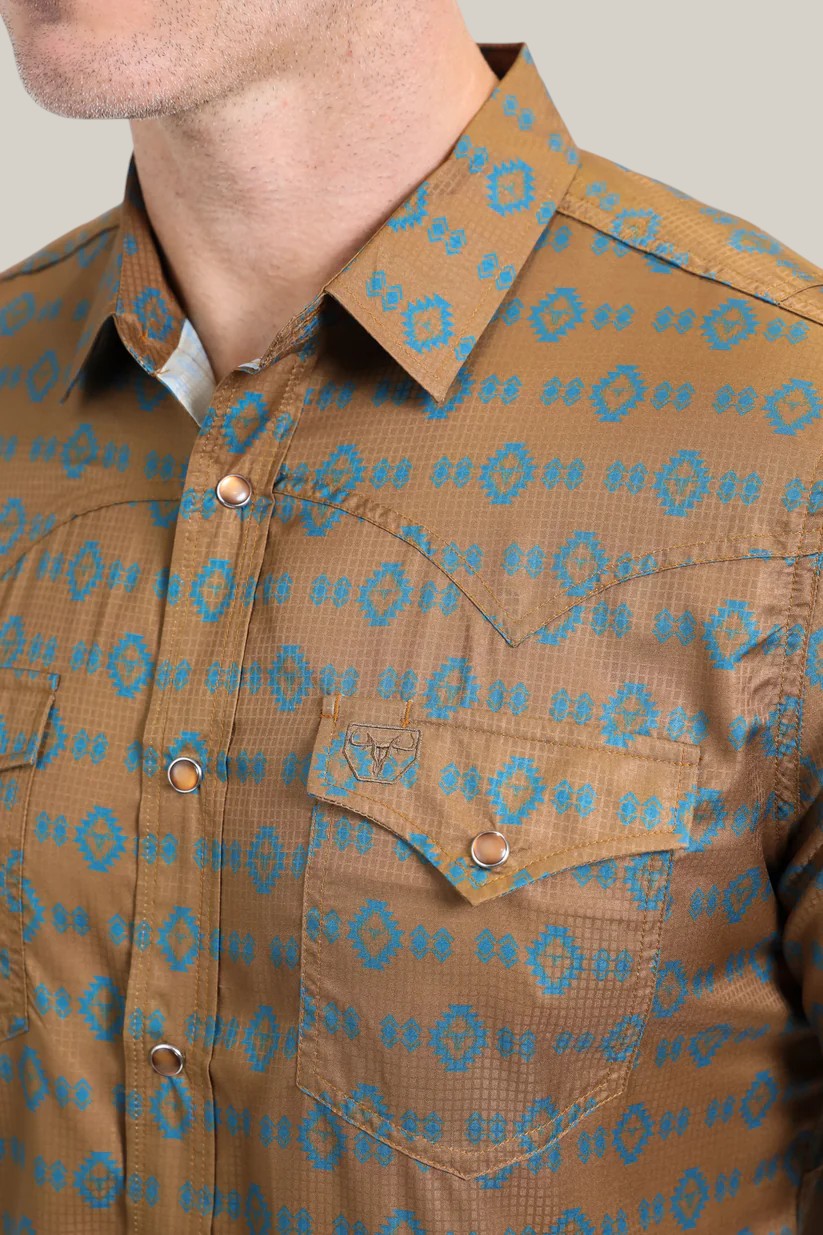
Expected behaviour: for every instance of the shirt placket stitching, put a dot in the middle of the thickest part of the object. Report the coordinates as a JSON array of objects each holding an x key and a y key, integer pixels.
[
  {"x": 253, "y": 543},
  {"x": 236, "y": 623},
  {"x": 150, "y": 890}
]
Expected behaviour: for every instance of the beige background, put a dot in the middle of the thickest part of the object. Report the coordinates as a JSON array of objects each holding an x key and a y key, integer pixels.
[{"x": 717, "y": 97}]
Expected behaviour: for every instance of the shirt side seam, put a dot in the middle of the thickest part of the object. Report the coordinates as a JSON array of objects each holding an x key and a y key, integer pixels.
[
  {"x": 786, "y": 780},
  {"x": 807, "y": 634}
]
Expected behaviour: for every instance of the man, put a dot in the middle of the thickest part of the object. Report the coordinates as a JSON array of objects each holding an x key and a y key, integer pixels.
[{"x": 411, "y": 723}]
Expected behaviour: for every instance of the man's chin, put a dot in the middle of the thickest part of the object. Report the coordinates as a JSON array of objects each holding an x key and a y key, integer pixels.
[
  {"x": 68, "y": 97},
  {"x": 68, "y": 84},
  {"x": 87, "y": 72}
]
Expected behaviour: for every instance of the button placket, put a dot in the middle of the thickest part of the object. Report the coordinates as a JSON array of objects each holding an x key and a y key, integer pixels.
[{"x": 184, "y": 991}]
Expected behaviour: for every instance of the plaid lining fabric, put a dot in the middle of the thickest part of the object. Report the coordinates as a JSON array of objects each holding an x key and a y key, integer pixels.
[{"x": 188, "y": 374}]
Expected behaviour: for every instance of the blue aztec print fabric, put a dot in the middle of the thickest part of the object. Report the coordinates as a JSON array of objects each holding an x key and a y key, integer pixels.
[{"x": 410, "y": 777}]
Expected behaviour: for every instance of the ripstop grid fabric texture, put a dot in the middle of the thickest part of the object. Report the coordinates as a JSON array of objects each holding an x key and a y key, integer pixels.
[{"x": 521, "y": 539}]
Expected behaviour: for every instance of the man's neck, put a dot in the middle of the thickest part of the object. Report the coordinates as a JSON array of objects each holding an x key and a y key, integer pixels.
[{"x": 259, "y": 199}]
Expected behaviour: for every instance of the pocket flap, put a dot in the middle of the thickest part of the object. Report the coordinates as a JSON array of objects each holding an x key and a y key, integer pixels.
[
  {"x": 559, "y": 803},
  {"x": 26, "y": 697}
]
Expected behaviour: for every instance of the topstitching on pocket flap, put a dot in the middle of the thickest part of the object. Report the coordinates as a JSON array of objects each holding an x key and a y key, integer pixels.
[
  {"x": 25, "y": 701},
  {"x": 438, "y": 783}
]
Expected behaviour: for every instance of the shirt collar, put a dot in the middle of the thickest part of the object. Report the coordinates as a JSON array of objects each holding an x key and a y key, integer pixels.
[{"x": 429, "y": 280}]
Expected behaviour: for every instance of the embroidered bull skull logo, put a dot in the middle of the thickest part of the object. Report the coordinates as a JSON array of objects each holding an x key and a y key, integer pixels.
[{"x": 379, "y": 752}]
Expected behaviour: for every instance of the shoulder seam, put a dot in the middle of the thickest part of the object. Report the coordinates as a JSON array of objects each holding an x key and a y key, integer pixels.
[
  {"x": 22, "y": 269},
  {"x": 808, "y": 312},
  {"x": 778, "y": 292},
  {"x": 810, "y": 287},
  {"x": 589, "y": 214}
]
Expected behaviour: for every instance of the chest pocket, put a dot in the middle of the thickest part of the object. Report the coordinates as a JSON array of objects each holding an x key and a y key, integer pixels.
[
  {"x": 25, "y": 702},
  {"x": 466, "y": 1015}
]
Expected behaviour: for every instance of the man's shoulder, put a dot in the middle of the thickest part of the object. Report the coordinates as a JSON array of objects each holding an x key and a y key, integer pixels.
[
  {"x": 673, "y": 228},
  {"x": 44, "y": 300},
  {"x": 75, "y": 249}
]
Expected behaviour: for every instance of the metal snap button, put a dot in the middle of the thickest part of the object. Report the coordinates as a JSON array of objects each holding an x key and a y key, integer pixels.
[
  {"x": 489, "y": 849},
  {"x": 167, "y": 1059},
  {"x": 184, "y": 774},
  {"x": 233, "y": 490}
]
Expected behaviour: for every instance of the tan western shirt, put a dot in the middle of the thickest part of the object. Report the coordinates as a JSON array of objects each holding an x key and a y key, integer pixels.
[{"x": 410, "y": 777}]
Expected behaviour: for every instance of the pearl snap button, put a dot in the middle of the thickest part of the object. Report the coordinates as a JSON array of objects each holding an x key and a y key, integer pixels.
[
  {"x": 166, "y": 1059},
  {"x": 489, "y": 849},
  {"x": 233, "y": 490},
  {"x": 184, "y": 774}
]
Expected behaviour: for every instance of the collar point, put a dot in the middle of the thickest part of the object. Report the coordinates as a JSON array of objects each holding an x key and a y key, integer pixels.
[{"x": 438, "y": 387}]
